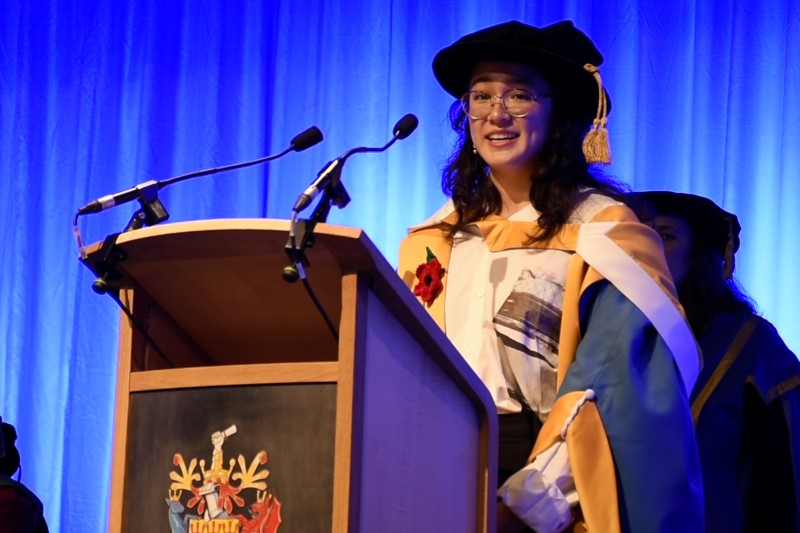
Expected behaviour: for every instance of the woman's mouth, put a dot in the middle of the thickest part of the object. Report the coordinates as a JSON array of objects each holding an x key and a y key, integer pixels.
[{"x": 501, "y": 137}]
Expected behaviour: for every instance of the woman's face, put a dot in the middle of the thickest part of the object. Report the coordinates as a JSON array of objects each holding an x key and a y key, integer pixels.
[
  {"x": 677, "y": 237},
  {"x": 510, "y": 144}
]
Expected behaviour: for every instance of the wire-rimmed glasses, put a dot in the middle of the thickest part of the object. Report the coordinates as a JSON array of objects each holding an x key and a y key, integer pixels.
[{"x": 517, "y": 102}]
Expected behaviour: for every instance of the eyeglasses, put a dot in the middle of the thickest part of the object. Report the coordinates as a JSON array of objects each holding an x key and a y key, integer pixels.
[{"x": 517, "y": 103}]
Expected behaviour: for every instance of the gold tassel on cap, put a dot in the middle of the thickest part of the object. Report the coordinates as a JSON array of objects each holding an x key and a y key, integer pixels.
[{"x": 595, "y": 144}]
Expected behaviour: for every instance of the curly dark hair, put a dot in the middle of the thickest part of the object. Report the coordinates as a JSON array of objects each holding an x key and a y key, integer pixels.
[
  {"x": 555, "y": 186},
  {"x": 704, "y": 291}
]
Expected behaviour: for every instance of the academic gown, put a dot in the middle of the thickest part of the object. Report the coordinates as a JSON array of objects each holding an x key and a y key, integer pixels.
[{"x": 623, "y": 335}]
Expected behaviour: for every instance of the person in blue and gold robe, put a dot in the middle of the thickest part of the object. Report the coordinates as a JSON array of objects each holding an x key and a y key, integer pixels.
[
  {"x": 746, "y": 402},
  {"x": 556, "y": 295}
]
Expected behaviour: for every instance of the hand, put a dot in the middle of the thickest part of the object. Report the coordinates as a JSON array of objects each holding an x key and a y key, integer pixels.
[
  {"x": 217, "y": 438},
  {"x": 507, "y": 521}
]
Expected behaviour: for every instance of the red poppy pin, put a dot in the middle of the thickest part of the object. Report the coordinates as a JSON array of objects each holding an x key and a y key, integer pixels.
[{"x": 429, "y": 275}]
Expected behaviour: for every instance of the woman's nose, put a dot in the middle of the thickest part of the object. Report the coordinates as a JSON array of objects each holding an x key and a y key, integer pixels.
[{"x": 498, "y": 110}]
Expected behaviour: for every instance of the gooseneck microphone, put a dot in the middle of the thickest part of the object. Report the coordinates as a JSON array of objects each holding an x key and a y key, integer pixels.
[
  {"x": 328, "y": 182},
  {"x": 405, "y": 127},
  {"x": 332, "y": 170},
  {"x": 300, "y": 142},
  {"x": 305, "y": 139}
]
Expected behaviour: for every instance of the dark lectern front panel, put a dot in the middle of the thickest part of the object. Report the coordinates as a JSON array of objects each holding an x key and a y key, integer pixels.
[{"x": 277, "y": 452}]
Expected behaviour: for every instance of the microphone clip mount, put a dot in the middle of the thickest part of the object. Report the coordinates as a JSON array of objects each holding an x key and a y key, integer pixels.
[
  {"x": 150, "y": 213},
  {"x": 302, "y": 236}
]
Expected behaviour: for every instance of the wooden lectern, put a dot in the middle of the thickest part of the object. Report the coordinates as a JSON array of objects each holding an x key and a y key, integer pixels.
[{"x": 387, "y": 429}]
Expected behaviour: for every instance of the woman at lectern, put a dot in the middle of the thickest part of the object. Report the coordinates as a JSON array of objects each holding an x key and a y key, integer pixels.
[{"x": 555, "y": 294}]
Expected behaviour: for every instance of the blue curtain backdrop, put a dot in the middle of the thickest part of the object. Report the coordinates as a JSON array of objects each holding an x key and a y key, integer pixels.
[{"x": 96, "y": 97}]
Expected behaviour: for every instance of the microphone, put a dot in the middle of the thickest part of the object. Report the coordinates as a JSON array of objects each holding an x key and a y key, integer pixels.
[
  {"x": 330, "y": 173},
  {"x": 405, "y": 126},
  {"x": 300, "y": 142},
  {"x": 105, "y": 202},
  {"x": 305, "y": 139}
]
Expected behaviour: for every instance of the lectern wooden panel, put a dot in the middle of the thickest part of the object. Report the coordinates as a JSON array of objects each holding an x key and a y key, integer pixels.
[{"x": 385, "y": 430}]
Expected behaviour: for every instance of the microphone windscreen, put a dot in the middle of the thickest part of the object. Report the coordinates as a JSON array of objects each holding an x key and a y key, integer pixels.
[
  {"x": 405, "y": 126},
  {"x": 306, "y": 139}
]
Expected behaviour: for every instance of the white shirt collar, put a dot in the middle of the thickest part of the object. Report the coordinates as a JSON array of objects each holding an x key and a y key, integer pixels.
[{"x": 528, "y": 213}]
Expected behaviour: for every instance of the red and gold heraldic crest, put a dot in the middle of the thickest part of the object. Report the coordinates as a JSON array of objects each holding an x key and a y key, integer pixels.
[{"x": 216, "y": 499}]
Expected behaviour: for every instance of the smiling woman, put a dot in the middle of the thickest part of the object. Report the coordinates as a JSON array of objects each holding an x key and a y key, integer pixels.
[{"x": 533, "y": 302}]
